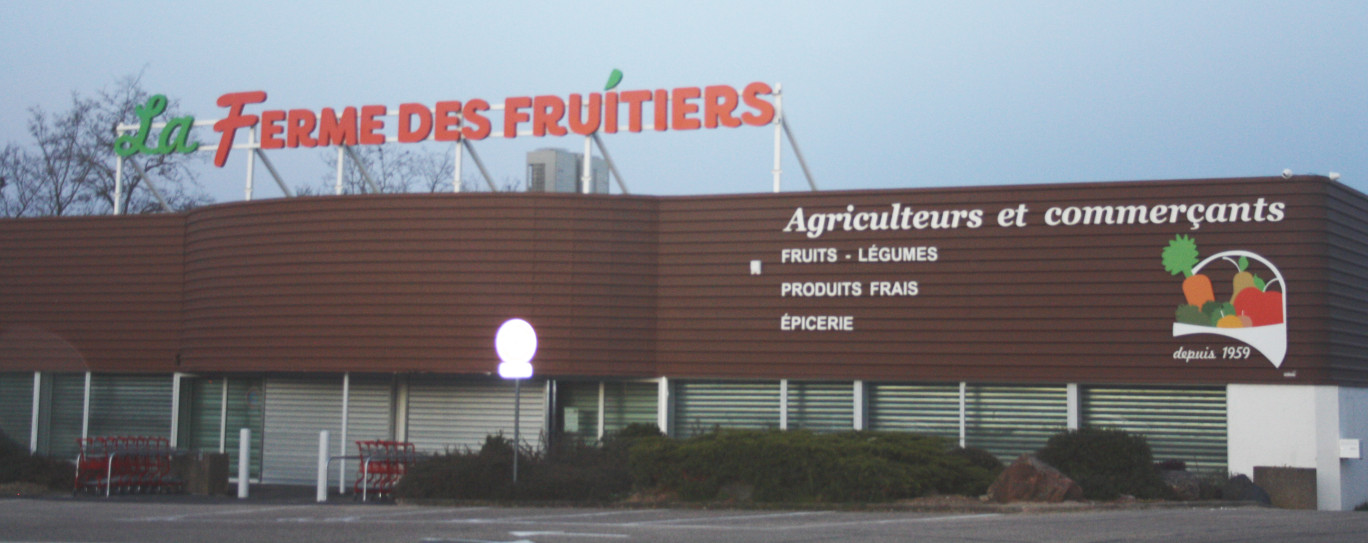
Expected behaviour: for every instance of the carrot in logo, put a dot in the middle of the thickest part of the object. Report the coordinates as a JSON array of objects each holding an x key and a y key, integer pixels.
[{"x": 1253, "y": 314}]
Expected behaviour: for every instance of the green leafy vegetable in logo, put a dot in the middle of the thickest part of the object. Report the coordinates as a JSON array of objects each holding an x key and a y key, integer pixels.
[{"x": 1180, "y": 256}]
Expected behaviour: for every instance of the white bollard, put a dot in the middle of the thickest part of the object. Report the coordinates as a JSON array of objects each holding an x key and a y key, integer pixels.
[
  {"x": 244, "y": 461},
  {"x": 323, "y": 466}
]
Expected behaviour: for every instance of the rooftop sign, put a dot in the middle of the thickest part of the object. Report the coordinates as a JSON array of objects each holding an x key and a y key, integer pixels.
[{"x": 682, "y": 108}]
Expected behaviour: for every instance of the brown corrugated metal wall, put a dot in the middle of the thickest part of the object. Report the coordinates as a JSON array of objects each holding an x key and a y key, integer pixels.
[
  {"x": 648, "y": 286},
  {"x": 1346, "y": 284},
  {"x": 91, "y": 293},
  {"x": 419, "y": 283},
  {"x": 1029, "y": 304}
]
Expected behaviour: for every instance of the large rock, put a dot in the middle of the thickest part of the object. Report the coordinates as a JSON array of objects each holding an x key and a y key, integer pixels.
[
  {"x": 1185, "y": 485},
  {"x": 1240, "y": 489},
  {"x": 1028, "y": 479}
]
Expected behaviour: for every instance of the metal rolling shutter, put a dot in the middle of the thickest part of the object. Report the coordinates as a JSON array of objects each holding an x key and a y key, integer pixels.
[
  {"x": 244, "y": 411},
  {"x": 456, "y": 413},
  {"x": 1010, "y": 420},
  {"x": 130, "y": 405},
  {"x": 370, "y": 410},
  {"x": 821, "y": 407},
  {"x": 702, "y": 406},
  {"x": 1187, "y": 424},
  {"x": 16, "y": 406},
  {"x": 629, "y": 403},
  {"x": 930, "y": 409},
  {"x": 296, "y": 409},
  {"x": 63, "y": 426}
]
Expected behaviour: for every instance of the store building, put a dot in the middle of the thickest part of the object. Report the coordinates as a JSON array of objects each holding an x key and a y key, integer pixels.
[{"x": 995, "y": 316}]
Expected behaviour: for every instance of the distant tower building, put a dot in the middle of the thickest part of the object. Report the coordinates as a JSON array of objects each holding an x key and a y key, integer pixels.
[{"x": 558, "y": 170}]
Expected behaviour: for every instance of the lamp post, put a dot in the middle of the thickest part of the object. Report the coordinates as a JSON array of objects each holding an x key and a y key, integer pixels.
[{"x": 516, "y": 342}]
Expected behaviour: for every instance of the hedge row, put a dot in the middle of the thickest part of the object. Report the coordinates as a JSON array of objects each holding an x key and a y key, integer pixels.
[
  {"x": 792, "y": 466},
  {"x": 18, "y": 466},
  {"x": 569, "y": 471},
  {"x": 801, "y": 466}
]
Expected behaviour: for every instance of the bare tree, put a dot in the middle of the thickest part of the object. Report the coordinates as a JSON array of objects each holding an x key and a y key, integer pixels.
[
  {"x": 172, "y": 172},
  {"x": 17, "y": 191},
  {"x": 71, "y": 166},
  {"x": 55, "y": 174},
  {"x": 393, "y": 168}
]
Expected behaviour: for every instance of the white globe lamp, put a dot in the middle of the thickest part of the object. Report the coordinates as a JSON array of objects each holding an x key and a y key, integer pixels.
[{"x": 516, "y": 343}]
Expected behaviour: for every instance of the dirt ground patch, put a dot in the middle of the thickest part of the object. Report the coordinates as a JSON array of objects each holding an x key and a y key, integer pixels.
[{"x": 26, "y": 490}]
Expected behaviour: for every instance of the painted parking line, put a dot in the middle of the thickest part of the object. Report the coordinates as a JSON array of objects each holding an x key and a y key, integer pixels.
[
  {"x": 729, "y": 522},
  {"x": 385, "y": 517},
  {"x": 568, "y": 534},
  {"x": 978, "y": 516},
  {"x": 558, "y": 518},
  {"x": 728, "y": 518},
  {"x": 192, "y": 516}
]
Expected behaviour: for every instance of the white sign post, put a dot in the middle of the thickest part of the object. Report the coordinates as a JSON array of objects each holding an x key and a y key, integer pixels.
[{"x": 516, "y": 342}]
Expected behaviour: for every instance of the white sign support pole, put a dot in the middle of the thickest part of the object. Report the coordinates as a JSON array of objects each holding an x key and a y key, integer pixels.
[
  {"x": 37, "y": 409},
  {"x": 342, "y": 443},
  {"x": 340, "y": 165},
  {"x": 244, "y": 462},
  {"x": 586, "y": 171},
  {"x": 322, "y": 494},
  {"x": 251, "y": 163},
  {"x": 778, "y": 133},
  {"x": 456, "y": 173},
  {"x": 118, "y": 182},
  {"x": 963, "y": 413}
]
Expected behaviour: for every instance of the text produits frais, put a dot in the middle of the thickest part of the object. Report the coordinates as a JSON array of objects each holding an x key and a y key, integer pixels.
[
  {"x": 839, "y": 289},
  {"x": 684, "y": 108}
]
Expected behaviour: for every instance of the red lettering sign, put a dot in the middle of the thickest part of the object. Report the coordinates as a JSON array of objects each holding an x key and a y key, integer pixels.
[{"x": 683, "y": 108}]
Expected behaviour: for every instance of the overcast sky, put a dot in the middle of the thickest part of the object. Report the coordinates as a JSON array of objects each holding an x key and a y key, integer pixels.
[{"x": 879, "y": 94}]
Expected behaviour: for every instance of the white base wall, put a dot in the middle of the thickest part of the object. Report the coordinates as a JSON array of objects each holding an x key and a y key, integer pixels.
[
  {"x": 1301, "y": 427},
  {"x": 1353, "y": 411}
]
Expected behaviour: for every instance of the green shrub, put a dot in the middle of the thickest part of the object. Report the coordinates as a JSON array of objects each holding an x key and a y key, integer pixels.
[
  {"x": 984, "y": 468},
  {"x": 574, "y": 471},
  {"x": 800, "y": 466},
  {"x": 1106, "y": 462},
  {"x": 463, "y": 475},
  {"x": 17, "y": 465},
  {"x": 637, "y": 430},
  {"x": 567, "y": 471}
]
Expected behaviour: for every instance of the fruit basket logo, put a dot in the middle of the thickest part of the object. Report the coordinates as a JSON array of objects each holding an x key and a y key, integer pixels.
[{"x": 1255, "y": 312}]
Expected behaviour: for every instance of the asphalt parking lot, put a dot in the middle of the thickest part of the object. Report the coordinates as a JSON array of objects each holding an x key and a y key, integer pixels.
[{"x": 116, "y": 520}]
